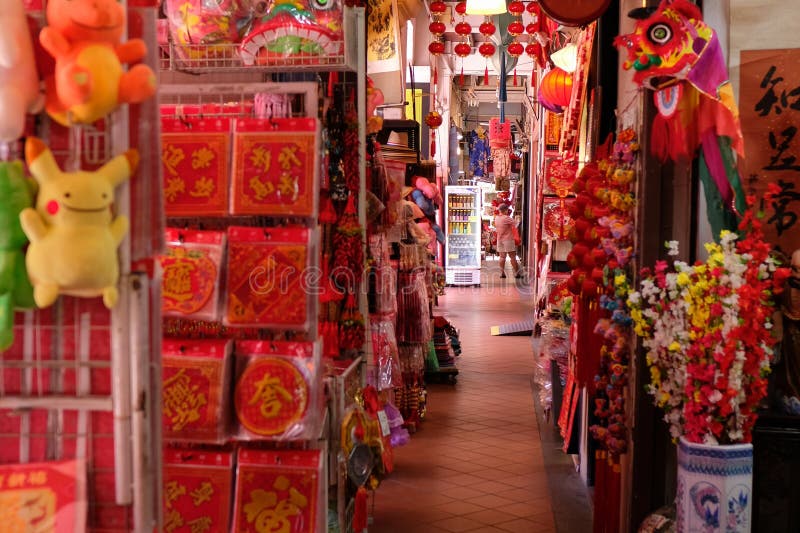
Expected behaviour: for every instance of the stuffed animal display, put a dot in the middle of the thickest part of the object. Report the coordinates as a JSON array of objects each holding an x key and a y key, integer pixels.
[
  {"x": 89, "y": 82},
  {"x": 16, "y": 291},
  {"x": 74, "y": 236},
  {"x": 427, "y": 196},
  {"x": 19, "y": 82}
]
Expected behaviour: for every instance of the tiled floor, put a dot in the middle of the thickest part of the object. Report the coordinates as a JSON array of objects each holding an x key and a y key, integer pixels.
[{"x": 476, "y": 463}]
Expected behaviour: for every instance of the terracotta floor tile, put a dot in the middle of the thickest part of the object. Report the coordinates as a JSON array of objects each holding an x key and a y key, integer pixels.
[
  {"x": 489, "y": 516},
  {"x": 489, "y": 500},
  {"x": 519, "y": 525},
  {"x": 457, "y": 524},
  {"x": 459, "y": 507}
]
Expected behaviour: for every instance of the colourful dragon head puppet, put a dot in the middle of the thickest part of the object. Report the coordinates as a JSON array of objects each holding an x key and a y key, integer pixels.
[{"x": 675, "y": 53}]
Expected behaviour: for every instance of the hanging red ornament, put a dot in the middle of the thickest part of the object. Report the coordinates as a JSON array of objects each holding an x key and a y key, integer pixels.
[
  {"x": 461, "y": 8},
  {"x": 463, "y": 29},
  {"x": 516, "y": 8},
  {"x": 487, "y": 28},
  {"x": 438, "y": 7},
  {"x": 515, "y": 28},
  {"x": 433, "y": 120},
  {"x": 556, "y": 87},
  {"x": 437, "y": 28},
  {"x": 532, "y": 8},
  {"x": 486, "y": 50},
  {"x": 515, "y": 49},
  {"x": 531, "y": 28},
  {"x": 515, "y": 77},
  {"x": 462, "y": 49},
  {"x": 436, "y": 47}
]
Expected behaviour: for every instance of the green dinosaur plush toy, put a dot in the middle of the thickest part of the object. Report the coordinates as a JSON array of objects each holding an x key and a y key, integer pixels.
[{"x": 16, "y": 292}]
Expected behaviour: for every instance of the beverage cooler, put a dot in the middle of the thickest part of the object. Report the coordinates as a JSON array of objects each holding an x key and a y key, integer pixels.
[{"x": 463, "y": 245}]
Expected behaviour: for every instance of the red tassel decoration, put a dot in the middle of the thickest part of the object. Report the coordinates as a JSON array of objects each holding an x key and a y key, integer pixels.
[
  {"x": 435, "y": 76},
  {"x": 360, "y": 511},
  {"x": 433, "y": 144},
  {"x": 486, "y": 75},
  {"x": 515, "y": 77},
  {"x": 333, "y": 79},
  {"x": 461, "y": 79}
]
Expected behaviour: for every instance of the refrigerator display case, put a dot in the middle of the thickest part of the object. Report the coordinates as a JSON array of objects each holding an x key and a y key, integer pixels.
[{"x": 463, "y": 245}]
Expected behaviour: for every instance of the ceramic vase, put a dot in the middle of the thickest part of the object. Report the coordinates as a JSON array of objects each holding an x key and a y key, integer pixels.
[{"x": 714, "y": 488}]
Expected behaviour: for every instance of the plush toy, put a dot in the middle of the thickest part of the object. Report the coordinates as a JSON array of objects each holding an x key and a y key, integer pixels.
[
  {"x": 19, "y": 82},
  {"x": 73, "y": 234},
  {"x": 16, "y": 194},
  {"x": 89, "y": 82}
]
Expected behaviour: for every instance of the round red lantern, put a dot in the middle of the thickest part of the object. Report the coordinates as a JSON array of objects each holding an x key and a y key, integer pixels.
[
  {"x": 532, "y": 7},
  {"x": 516, "y": 8},
  {"x": 461, "y": 8},
  {"x": 437, "y": 28},
  {"x": 515, "y": 49},
  {"x": 556, "y": 87},
  {"x": 486, "y": 49},
  {"x": 487, "y": 28},
  {"x": 463, "y": 29},
  {"x": 532, "y": 28},
  {"x": 433, "y": 120},
  {"x": 436, "y": 47},
  {"x": 462, "y": 49},
  {"x": 515, "y": 28},
  {"x": 438, "y": 7},
  {"x": 533, "y": 49}
]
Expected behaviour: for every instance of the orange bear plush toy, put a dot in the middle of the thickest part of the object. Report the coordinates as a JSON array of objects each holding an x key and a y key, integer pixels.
[{"x": 84, "y": 38}]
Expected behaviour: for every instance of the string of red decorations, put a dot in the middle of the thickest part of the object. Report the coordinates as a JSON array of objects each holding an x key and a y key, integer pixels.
[
  {"x": 515, "y": 29},
  {"x": 464, "y": 30}
]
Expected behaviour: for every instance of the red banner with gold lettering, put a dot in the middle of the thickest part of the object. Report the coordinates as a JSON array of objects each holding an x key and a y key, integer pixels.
[
  {"x": 274, "y": 167},
  {"x": 770, "y": 115},
  {"x": 197, "y": 489}
]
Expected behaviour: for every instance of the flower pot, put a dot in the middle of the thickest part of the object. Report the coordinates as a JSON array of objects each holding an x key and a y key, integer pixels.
[{"x": 714, "y": 488}]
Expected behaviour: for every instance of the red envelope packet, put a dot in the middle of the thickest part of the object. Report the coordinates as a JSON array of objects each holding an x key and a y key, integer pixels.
[
  {"x": 195, "y": 378},
  {"x": 195, "y": 158},
  {"x": 278, "y": 390},
  {"x": 197, "y": 490},
  {"x": 192, "y": 266},
  {"x": 279, "y": 491},
  {"x": 275, "y": 167},
  {"x": 48, "y": 496},
  {"x": 267, "y": 282}
]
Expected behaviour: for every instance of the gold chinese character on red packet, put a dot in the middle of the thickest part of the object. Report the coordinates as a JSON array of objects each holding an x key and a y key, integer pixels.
[
  {"x": 195, "y": 161},
  {"x": 196, "y": 491},
  {"x": 195, "y": 378},
  {"x": 268, "y": 278},
  {"x": 279, "y": 491},
  {"x": 275, "y": 167},
  {"x": 277, "y": 392}
]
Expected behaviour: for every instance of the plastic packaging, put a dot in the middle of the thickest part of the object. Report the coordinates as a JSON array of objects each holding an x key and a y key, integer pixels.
[
  {"x": 196, "y": 378},
  {"x": 191, "y": 273},
  {"x": 275, "y": 165},
  {"x": 280, "y": 488},
  {"x": 413, "y": 314},
  {"x": 278, "y": 391},
  {"x": 197, "y": 489},
  {"x": 201, "y": 29},
  {"x": 267, "y": 278},
  {"x": 387, "y": 359}
]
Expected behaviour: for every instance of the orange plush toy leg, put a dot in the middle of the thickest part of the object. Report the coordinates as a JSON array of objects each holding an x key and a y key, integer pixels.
[
  {"x": 136, "y": 85},
  {"x": 73, "y": 85}
]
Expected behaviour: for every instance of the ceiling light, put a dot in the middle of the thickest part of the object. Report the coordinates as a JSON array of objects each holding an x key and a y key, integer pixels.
[
  {"x": 486, "y": 7},
  {"x": 566, "y": 58}
]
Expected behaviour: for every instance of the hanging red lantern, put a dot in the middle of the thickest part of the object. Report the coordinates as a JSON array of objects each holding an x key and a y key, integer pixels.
[
  {"x": 531, "y": 28},
  {"x": 462, "y": 49},
  {"x": 516, "y": 8},
  {"x": 436, "y": 47},
  {"x": 556, "y": 87},
  {"x": 461, "y": 8},
  {"x": 463, "y": 29},
  {"x": 515, "y": 49},
  {"x": 532, "y": 8},
  {"x": 433, "y": 120},
  {"x": 515, "y": 28},
  {"x": 437, "y": 28},
  {"x": 487, "y": 28},
  {"x": 438, "y": 7},
  {"x": 486, "y": 50}
]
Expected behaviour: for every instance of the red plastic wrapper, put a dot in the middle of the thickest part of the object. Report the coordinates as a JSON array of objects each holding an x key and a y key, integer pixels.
[
  {"x": 196, "y": 377},
  {"x": 197, "y": 490},
  {"x": 191, "y": 272},
  {"x": 47, "y": 496},
  {"x": 275, "y": 164},
  {"x": 195, "y": 162},
  {"x": 278, "y": 391},
  {"x": 280, "y": 491}
]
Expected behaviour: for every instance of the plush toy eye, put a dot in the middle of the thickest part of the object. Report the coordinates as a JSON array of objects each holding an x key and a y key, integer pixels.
[
  {"x": 105, "y": 195},
  {"x": 660, "y": 33},
  {"x": 67, "y": 195},
  {"x": 323, "y": 4}
]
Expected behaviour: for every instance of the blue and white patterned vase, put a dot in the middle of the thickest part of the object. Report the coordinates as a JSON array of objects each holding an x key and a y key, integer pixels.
[{"x": 715, "y": 486}]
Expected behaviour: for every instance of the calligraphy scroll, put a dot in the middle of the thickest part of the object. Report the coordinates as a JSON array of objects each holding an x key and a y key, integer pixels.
[
  {"x": 196, "y": 491},
  {"x": 770, "y": 117}
]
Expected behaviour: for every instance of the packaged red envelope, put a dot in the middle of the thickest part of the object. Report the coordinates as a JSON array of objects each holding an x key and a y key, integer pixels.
[
  {"x": 195, "y": 378},
  {"x": 269, "y": 283},
  {"x": 48, "y": 496},
  {"x": 191, "y": 271},
  {"x": 195, "y": 159},
  {"x": 275, "y": 165},
  {"x": 197, "y": 490},
  {"x": 278, "y": 391},
  {"x": 280, "y": 491}
]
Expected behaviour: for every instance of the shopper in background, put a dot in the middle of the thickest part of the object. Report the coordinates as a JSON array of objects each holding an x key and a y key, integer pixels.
[{"x": 506, "y": 246}]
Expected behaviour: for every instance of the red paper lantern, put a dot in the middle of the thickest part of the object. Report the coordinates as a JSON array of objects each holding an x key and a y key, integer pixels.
[
  {"x": 437, "y": 28},
  {"x": 438, "y": 7},
  {"x": 461, "y": 8},
  {"x": 462, "y": 49},
  {"x": 532, "y": 28},
  {"x": 486, "y": 49},
  {"x": 515, "y": 49},
  {"x": 487, "y": 28},
  {"x": 516, "y": 8},
  {"x": 515, "y": 28},
  {"x": 532, "y": 7},
  {"x": 433, "y": 120},
  {"x": 556, "y": 87},
  {"x": 533, "y": 49},
  {"x": 463, "y": 29},
  {"x": 436, "y": 47}
]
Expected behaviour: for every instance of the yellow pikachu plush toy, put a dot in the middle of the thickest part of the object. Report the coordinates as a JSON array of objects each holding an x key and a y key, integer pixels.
[{"x": 73, "y": 235}]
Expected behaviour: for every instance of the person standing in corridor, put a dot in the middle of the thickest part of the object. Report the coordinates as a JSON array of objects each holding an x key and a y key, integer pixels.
[{"x": 506, "y": 246}]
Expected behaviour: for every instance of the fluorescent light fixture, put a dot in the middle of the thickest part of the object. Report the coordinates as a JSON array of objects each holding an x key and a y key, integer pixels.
[
  {"x": 566, "y": 58},
  {"x": 486, "y": 7}
]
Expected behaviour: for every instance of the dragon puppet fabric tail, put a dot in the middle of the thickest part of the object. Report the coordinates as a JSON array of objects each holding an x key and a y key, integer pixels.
[{"x": 722, "y": 185}]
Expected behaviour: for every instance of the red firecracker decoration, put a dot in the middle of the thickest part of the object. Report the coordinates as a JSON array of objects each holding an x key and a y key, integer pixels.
[
  {"x": 352, "y": 334},
  {"x": 348, "y": 248}
]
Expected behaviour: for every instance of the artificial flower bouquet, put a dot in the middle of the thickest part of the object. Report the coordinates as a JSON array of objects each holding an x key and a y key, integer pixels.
[{"x": 706, "y": 328}]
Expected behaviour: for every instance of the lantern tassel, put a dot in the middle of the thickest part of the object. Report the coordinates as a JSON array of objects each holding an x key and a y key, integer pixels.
[
  {"x": 486, "y": 75},
  {"x": 461, "y": 78},
  {"x": 360, "y": 510},
  {"x": 433, "y": 144},
  {"x": 515, "y": 77},
  {"x": 435, "y": 77}
]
